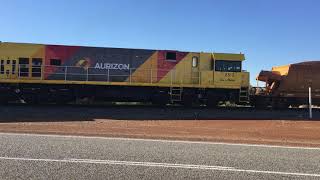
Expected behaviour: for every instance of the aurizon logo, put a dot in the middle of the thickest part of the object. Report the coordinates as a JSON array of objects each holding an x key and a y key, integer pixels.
[
  {"x": 112, "y": 66},
  {"x": 84, "y": 63}
]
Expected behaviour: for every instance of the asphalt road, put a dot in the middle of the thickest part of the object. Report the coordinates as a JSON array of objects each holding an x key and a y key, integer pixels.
[{"x": 69, "y": 157}]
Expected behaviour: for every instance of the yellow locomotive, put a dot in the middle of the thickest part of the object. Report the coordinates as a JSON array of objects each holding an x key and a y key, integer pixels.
[{"x": 38, "y": 73}]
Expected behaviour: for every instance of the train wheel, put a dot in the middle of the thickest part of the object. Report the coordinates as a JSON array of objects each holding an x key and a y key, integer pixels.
[
  {"x": 260, "y": 102},
  {"x": 212, "y": 103},
  {"x": 64, "y": 99},
  {"x": 279, "y": 104},
  {"x": 3, "y": 101},
  {"x": 160, "y": 102},
  {"x": 82, "y": 100},
  {"x": 260, "y": 105},
  {"x": 188, "y": 100},
  {"x": 31, "y": 99},
  {"x": 61, "y": 101},
  {"x": 160, "y": 99}
]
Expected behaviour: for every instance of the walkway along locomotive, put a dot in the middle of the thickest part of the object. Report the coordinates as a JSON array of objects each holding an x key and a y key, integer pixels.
[{"x": 38, "y": 73}]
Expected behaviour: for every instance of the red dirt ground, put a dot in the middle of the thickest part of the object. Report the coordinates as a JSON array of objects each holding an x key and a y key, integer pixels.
[{"x": 277, "y": 132}]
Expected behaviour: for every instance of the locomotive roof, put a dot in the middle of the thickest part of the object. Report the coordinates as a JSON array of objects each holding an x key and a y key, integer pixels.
[{"x": 113, "y": 47}]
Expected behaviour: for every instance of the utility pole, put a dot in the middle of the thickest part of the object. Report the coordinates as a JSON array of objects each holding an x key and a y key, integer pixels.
[{"x": 310, "y": 104}]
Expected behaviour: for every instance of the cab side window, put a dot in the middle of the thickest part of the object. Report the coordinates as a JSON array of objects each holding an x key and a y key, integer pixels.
[
  {"x": 2, "y": 67},
  {"x": 14, "y": 64},
  {"x": 24, "y": 67},
  {"x": 36, "y": 67},
  {"x": 227, "y": 66}
]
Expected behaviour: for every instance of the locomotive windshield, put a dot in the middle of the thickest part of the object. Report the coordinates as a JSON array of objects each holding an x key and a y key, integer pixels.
[{"x": 227, "y": 66}]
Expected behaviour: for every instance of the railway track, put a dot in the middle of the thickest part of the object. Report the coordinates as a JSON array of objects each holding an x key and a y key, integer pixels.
[{"x": 80, "y": 112}]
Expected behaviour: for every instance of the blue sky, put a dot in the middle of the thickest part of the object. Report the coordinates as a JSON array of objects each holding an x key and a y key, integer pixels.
[{"x": 269, "y": 32}]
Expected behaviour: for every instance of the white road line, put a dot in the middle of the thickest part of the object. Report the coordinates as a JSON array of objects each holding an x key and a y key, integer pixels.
[
  {"x": 165, "y": 165},
  {"x": 160, "y": 140}
]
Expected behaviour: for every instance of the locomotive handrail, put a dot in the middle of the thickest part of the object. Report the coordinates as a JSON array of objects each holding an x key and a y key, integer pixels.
[{"x": 69, "y": 73}]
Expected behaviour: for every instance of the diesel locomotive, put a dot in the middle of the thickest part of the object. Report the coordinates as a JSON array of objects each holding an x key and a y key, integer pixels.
[{"x": 40, "y": 73}]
